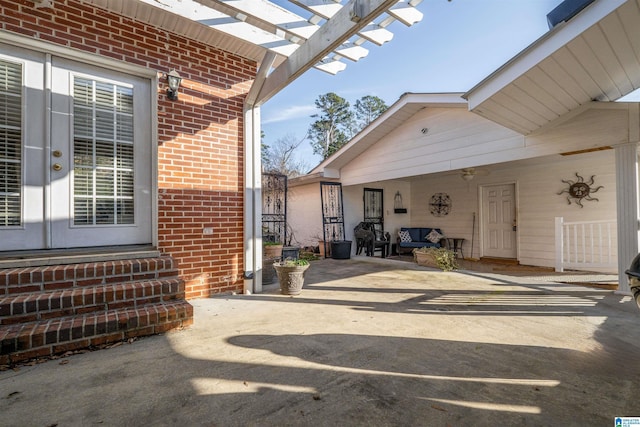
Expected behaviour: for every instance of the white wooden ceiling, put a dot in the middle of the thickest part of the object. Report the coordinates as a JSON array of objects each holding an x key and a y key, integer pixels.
[
  {"x": 595, "y": 56},
  {"x": 331, "y": 32}
]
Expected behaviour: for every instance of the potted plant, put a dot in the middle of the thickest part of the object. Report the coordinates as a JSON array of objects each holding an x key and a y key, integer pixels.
[
  {"x": 291, "y": 275},
  {"x": 272, "y": 250},
  {"x": 324, "y": 246},
  {"x": 441, "y": 258}
]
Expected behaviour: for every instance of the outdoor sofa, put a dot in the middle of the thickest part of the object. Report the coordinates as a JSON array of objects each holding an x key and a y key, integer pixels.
[{"x": 410, "y": 238}]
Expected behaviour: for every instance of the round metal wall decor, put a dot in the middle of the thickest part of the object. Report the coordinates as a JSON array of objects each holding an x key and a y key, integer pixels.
[
  {"x": 580, "y": 190},
  {"x": 440, "y": 204}
]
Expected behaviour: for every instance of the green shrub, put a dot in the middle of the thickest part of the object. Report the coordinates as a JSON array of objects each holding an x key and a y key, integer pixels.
[{"x": 291, "y": 262}]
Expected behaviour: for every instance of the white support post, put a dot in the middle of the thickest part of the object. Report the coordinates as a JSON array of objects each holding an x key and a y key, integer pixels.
[
  {"x": 559, "y": 245},
  {"x": 252, "y": 202},
  {"x": 253, "y": 181},
  {"x": 627, "y": 210}
]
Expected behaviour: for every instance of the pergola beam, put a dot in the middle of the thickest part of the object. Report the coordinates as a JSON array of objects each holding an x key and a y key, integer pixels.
[{"x": 352, "y": 18}]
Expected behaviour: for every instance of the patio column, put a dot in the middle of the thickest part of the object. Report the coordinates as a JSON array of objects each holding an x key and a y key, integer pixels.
[
  {"x": 252, "y": 202},
  {"x": 627, "y": 209},
  {"x": 253, "y": 179}
]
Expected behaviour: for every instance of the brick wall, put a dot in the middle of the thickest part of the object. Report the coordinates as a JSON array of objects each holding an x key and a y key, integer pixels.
[{"x": 200, "y": 149}]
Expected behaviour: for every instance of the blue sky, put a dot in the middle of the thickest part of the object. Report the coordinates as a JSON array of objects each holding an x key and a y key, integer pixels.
[{"x": 453, "y": 48}]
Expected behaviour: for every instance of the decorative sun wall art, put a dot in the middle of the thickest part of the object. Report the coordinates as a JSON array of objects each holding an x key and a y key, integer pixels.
[{"x": 580, "y": 190}]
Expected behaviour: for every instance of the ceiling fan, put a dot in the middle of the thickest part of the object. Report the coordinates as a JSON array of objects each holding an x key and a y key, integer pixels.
[{"x": 469, "y": 173}]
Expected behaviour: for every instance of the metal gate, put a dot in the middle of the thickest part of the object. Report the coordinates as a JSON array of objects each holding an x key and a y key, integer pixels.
[
  {"x": 332, "y": 212},
  {"x": 274, "y": 208}
]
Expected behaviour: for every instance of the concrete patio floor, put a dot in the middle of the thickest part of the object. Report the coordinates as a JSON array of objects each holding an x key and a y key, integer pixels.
[{"x": 368, "y": 342}]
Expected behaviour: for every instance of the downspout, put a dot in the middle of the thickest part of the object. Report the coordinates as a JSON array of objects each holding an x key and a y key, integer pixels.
[{"x": 253, "y": 181}]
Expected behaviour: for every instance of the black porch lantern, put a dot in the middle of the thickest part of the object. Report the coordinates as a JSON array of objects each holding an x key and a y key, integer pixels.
[{"x": 173, "y": 80}]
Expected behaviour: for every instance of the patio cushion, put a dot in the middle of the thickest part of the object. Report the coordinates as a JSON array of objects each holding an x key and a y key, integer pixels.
[
  {"x": 404, "y": 236},
  {"x": 417, "y": 234},
  {"x": 418, "y": 238},
  {"x": 433, "y": 236}
]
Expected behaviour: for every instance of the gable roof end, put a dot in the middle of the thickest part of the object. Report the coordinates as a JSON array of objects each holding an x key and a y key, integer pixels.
[
  {"x": 594, "y": 56},
  {"x": 396, "y": 115}
]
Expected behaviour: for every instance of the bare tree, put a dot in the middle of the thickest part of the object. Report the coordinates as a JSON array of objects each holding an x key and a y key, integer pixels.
[{"x": 280, "y": 157}]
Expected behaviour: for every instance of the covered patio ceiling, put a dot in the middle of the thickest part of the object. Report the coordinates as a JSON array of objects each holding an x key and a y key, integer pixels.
[
  {"x": 594, "y": 56},
  {"x": 285, "y": 37}
]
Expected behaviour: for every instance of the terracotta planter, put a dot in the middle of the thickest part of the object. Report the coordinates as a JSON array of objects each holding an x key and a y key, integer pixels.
[
  {"x": 272, "y": 251},
  {"x": 428, "y": 259},
  {"x": 321, "y": 246},
  {"x": 291, "y": 278},
  {"x": 425, "y": 260}
]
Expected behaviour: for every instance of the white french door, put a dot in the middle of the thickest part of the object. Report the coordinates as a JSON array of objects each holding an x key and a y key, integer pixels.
[{"x": 77, "y": 173}]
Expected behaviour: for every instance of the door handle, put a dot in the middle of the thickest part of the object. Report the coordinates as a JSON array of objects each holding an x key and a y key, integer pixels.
[{"x": 57, "y": 167}]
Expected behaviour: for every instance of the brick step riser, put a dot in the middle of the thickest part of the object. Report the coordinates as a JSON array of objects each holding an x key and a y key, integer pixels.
[
  {"x": 46, "y": 338},
  {"x": 49, "y": 305},
  {"x": 50, "y": 278}
]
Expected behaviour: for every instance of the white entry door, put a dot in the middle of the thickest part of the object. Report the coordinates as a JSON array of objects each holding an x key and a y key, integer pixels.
[
  {"x": 498, "y": 221},
  {"x": 77, "y": 171}
]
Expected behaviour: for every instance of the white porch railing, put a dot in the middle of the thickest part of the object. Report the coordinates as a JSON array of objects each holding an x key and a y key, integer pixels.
[{"x": 586, "y": 244}]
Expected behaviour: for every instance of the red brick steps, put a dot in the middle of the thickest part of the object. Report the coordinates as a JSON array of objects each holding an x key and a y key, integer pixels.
[
  {"x": 53, "y": 309},
  {"x": 47, "y": 305}
]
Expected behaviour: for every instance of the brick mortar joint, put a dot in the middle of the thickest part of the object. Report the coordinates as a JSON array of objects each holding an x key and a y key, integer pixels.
[{"x": 83, "y": 271}]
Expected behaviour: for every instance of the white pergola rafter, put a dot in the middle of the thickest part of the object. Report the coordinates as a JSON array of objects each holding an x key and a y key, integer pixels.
[
  {"x": 294, "y": 29},
  {"x": 253, "y": 28}
]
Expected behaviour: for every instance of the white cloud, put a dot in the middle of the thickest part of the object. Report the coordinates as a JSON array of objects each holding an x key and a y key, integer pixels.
[{"x": 289, "y": 113}]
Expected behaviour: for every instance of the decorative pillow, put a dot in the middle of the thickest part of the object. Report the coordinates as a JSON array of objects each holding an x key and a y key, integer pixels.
[
  {"x": 404, "y": 236},
  {"x": 433, "y": 236}
]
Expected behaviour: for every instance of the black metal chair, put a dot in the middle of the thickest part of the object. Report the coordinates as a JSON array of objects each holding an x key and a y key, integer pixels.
[
  {"x": 382, "y": 241},
  {"x": 365, "y": 238}
]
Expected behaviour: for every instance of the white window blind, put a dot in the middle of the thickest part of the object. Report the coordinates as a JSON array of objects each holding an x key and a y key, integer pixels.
[
  {"x": 103, "y": 153},
  {"x": 10, "y": 143}
]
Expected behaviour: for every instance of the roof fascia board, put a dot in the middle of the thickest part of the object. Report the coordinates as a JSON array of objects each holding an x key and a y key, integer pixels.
[
  {"x": 328, "y": 38},
  {"x": 426, "y": 99},
  {"x": 539, "y": 50},
  {"x": 308, "y": 179}
]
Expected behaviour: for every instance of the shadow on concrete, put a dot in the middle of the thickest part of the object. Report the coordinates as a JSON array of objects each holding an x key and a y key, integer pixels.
[{"x": 504, "y": 354}]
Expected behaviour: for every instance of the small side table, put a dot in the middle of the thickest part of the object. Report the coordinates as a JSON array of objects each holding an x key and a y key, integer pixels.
[
  {"x": 455, "y": 244},
  {"x": 394, "y": 249}
]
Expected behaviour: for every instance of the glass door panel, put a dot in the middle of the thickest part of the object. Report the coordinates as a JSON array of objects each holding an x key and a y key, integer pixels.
[
  {"x": 74, "y": 171},
  {"x": 22, "y": 170},
  {"x": 104, "y": 182}
]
